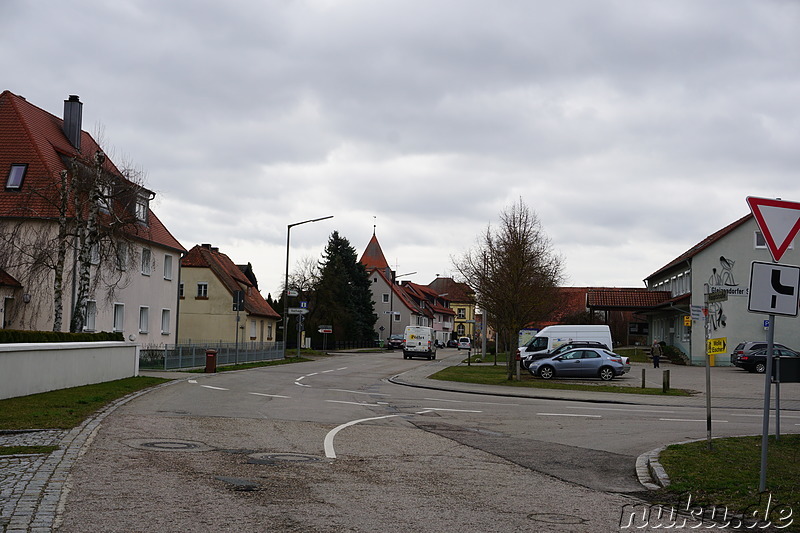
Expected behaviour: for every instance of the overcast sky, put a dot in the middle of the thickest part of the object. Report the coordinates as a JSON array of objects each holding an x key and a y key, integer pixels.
[{"x": 633, "y": 129}]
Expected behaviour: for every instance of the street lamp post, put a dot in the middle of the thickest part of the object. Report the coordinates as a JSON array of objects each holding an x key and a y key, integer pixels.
[
  {"x": 391, "y": 299},
  {"x": 286, "y": 279}
]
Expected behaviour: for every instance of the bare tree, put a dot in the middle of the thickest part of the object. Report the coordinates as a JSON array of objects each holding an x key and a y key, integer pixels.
[
  {"x": 98, "y": 208},
  {"x": 514, "y": 272}
]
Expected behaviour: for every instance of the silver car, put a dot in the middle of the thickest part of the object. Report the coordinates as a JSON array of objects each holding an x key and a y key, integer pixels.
[{"x": 580, "y": 363}]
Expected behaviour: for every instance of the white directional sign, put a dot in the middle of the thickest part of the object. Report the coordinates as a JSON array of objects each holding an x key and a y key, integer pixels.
[
  {"x": 778, "y": 220},
  {"x": 297, "y": 311},
  {"x": 774, "y": 289}
]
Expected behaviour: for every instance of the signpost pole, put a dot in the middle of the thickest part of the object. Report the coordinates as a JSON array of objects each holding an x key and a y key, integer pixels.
[
  {"x": 708, "y": 372},
  {"x": 762, "y": 481}
]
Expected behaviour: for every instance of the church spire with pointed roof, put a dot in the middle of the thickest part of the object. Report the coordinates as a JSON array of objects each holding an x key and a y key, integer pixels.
[{"x": 373, "y": 255}]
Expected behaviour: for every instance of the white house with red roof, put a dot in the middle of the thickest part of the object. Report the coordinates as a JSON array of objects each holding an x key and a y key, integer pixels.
[{"x": 136, "y": 291}]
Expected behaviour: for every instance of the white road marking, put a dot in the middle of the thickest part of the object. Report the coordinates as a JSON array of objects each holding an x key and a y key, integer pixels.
[
  {"x": 268, "y": 395},
  {"x": 193, "y": 381},
  {"x": 328, "y": 444},
  {"x": 301, "y": 385},
  {"x": 354, "y": 403},
  {"x": 429, "y": 409},
  {"x": 215, "y": 388},
  {"x": 691, "y": 420},
  {"x": 568, "y": 414},
  {"x": 359, "y": 392}
]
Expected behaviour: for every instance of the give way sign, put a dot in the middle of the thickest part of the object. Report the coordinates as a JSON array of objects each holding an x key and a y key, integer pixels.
[{"x": 778, "y": 220}]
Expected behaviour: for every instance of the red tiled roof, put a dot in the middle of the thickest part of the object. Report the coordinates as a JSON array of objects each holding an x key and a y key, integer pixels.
[
  {"x": 373, "y": 255},
  {"x": 456, "y": 291},
  {"x": 30, "y": 135},
  {"x": 625, "y": 298},
  {"x": 8, "y": 280},
  {"x": 205, "y": 256},
  {"x": 700, "y": 246}
]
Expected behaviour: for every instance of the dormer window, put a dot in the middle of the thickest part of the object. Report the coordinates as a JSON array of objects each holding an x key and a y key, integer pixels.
[
  {"x": 15, "y": 176},
  {"x": 141, "y": 209}
]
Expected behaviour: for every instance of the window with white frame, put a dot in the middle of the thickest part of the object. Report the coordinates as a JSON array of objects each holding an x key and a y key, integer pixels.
[
  {"x": 165, "y": 321},
  {"x": 146, "y": 261},
  {"x": 119, "y": 317},
  {"x": 141, "y": 208},
  {"x": 269, "y": 332},
  {"x": 144, "y": 319},
  {"x": 252, "y": 329},
  {"x": 202, "y": 289},
  {"x": 167, "y": 267},
  {"x": 461, "y": 330},
  {"x": 91, "y": 315},
  {"x": 461, "y": 313},
  {"x": 396, "y": 316}
]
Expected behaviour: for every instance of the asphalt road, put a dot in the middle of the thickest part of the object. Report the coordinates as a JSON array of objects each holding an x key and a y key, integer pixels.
[{"x": 333, "y": 445}]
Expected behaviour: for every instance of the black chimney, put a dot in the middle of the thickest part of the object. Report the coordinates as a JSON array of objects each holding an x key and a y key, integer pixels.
[{"x": 73, "y": 114}]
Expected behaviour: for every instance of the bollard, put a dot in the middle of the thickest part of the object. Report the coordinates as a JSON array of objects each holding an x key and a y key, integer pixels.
[
  {"x": 211, "y": 361},
  {"x": 665, "y": 384},
  {"x": 643, "y": 371}
]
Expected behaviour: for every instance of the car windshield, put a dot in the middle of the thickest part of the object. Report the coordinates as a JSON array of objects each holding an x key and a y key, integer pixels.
[{"x": 538, "y": 343}]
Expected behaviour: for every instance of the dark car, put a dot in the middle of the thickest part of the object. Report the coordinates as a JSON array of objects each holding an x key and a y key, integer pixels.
[
  {"x": 395, "y": 341},
  {"x": 749, "y": 347},
  {"x": 757, "y": 361},
  {"x": 452, "y": 343}
]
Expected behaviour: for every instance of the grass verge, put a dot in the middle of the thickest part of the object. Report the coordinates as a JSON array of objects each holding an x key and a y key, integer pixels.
[
  {"x": 728, "y": 475},
  {"x": 66, "y": 408},
  {"x": 22, "y": 450},
  {"x": 497, "y": 375}
]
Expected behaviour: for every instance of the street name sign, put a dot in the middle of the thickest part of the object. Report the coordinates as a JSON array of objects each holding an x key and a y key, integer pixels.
[
  {"x": 778, "y": 220},
  {"x": 774, "y": 289},
  {"x": 297, "y": 311}
]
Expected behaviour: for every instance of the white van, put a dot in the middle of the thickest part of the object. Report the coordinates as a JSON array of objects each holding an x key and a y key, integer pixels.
[
  {"x": 551, "y": 337},
  {"x": 419, "y": 341}
]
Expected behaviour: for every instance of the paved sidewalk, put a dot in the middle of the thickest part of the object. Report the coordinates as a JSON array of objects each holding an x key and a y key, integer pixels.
[{"x": 34, "y": 487}]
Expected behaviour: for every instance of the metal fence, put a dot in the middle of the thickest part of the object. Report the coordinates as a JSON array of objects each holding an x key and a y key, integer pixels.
[{"x": 173, "y": 357}]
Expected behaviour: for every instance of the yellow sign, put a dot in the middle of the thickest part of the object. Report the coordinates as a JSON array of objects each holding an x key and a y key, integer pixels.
[
  {"x": 687, "y": 321},
  {"x": 717, "y": 346}
]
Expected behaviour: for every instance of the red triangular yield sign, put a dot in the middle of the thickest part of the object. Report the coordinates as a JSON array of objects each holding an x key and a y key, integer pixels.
[{"x": 778, "y": 220}]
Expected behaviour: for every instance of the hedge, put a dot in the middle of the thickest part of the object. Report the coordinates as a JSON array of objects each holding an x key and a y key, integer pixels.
[{"x": 13, "y": 336}]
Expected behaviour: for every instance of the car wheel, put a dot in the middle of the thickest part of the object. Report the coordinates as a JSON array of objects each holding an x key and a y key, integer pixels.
[
  {"x": 547, "y": 372},
  {"x": 606, "y": 373},
  {"x": 761, "y": 368}
]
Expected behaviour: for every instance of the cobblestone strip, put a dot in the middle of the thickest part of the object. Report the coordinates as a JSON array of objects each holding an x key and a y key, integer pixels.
[{"x": 33, "y": 489}]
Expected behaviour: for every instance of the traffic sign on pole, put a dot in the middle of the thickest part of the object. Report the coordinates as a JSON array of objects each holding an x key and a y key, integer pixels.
[
  {"x": 774, "y": 289},
  {"x": 779, "y": 222}
]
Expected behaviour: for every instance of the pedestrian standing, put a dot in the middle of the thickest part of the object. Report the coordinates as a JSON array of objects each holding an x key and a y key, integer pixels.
[{"x": 656, "y": 353}]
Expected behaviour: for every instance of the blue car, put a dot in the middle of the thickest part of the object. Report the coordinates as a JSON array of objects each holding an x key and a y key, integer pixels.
[{"x": 580, "y": 363}]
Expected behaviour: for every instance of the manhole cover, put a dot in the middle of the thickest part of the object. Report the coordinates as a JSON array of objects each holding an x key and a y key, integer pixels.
[
  {"x": 169, "y": 445},
  {"x": 555, "y": 518},
  {"x": 272, "y": 458}
]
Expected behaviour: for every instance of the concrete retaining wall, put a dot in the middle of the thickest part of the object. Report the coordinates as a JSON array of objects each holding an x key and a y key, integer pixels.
[{"x": 32, "y": 368}]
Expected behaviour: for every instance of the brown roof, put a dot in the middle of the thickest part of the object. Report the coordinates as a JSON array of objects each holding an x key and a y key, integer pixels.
[
  {"x": 456, "y": 291},
  {"x": 700, "y": 246},
  {"x": 8, "y": 280},
  {"x": 231, "y": 276},
  {"x": 625, "y": 298},
  {"x": 373, "y": 255},
  {"x": 32, "y": 136}
]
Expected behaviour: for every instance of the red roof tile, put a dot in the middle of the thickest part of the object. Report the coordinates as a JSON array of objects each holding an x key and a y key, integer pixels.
[
  {"x": 625, "y": 298},
  {"x": 230, "y": 275},
  {"x": 8, "y": 280},
  {"x": 32, "y": 136},
  {"x": 373, "y": 255}
]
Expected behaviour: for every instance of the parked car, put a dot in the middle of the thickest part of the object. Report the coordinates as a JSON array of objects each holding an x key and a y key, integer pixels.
[
  {"x": 749, "y": 347},
  {"x": 527, "y": 359},
  {"x": 452, "y": 343},
  {"x": 395, "y": 341},
  {"x": 581, "y": 363},
  {"x": 757, "y": 361},
  {"x": 464, "y": 343}
]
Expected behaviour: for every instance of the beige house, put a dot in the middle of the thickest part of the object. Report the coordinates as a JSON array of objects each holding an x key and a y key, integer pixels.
[
  {"x": 132, "y": 287},
  {"x": 210, "y": 283}
]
